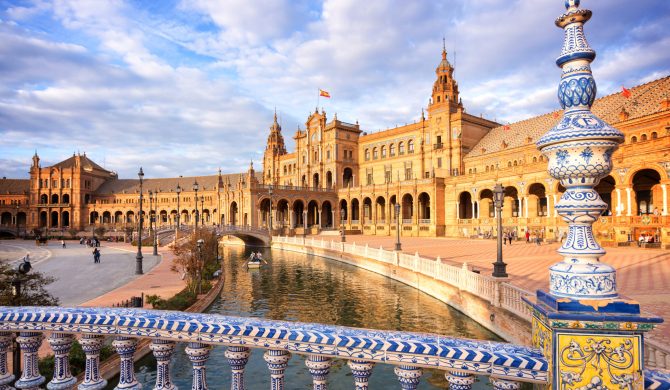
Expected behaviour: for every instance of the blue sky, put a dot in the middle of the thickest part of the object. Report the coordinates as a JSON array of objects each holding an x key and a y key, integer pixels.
[{"x": 183, "y": 87}]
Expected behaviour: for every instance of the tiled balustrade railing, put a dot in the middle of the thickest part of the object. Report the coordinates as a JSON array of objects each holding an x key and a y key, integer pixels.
[
  {"x": 500, "y": 294},
  {"x": 507, "y": 365}
]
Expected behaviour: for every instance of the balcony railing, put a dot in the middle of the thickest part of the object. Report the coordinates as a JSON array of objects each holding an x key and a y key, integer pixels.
[{"x": 461, "y": 360}]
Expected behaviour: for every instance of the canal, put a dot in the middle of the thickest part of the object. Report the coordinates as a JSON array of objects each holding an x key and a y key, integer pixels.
[{"x": 297, "y": 287}]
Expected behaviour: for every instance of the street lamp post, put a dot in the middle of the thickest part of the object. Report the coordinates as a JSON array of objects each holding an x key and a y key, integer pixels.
[
  {"x": 202, "y": 210},
  {"x": 16, "y": 219},
  {"x": 23, "y": 269},
  {"x": 155, "y": 223},
  {"x": 343, "y": 213},
  {"x": 152, "y": 230},
  {"x": 138, "y": 258},
  {"x": 199, "y": 244},
  {"x": 499, "y": 267},
  {"x": 397, "y": 227},
  {"x": 195, "y": 188},
  {"x": 176, "y": 230}
]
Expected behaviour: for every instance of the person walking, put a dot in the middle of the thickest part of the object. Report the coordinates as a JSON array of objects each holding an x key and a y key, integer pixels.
[
  {"x": 527, "y": 236},
  {"x": 62, "y": 242}
]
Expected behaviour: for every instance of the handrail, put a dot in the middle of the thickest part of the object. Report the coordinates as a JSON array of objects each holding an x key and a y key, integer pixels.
[{"x": 500, "y": 360}]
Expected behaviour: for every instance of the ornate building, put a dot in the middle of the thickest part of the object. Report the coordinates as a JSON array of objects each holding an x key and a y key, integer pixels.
[{"x": 441, "y": 170}]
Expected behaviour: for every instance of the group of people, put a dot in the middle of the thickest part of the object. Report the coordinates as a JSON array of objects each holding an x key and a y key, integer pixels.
[
  {"x": 508, "y": 236},
  {"x": 96, "y": 255},
  {"x": 534, "y": 236},
  {"x": 90, "y": 242},
  {"x": 646, "y": 238},
  {"x": 256, "y": 257}
]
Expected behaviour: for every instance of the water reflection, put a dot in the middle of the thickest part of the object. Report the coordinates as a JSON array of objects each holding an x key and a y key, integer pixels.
[{"x": 304, "y": 288}]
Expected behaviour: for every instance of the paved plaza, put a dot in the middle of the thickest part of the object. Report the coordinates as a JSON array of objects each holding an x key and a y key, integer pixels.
[
  {"x": 78, "y": 279},
  {"x": 642, "y": 274}
]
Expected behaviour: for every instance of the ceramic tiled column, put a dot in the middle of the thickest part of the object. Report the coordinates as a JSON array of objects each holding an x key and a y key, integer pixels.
[
  {"x": 277, "y": 360},
  {"x": 29, "y": 342},
  {"x": 6, "y": 377},
  {"x": 361, "y": 371},
  {"x": 198, "y": 354},
  {"x": 237, "y": 358},
  {"x": 92, "y": 344},
  {"x": 591, "y": 336},
  {"x": 408, "y": 376},
  {"x": 460, "y": 380},
  {"x": 125, "y": 347},
  {"x": 163, "y": 350},
  {"x": 61, "y": 344},
  {"x": 319, "y": 367}
]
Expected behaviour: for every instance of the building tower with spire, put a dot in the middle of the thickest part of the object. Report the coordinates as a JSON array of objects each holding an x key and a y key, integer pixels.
[
  {"x": 593, "y": 336},
  {"x": 274, "y": 149}
]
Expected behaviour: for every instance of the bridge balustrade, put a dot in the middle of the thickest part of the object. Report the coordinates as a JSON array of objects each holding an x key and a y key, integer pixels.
[{"x": 507, "y": 365}]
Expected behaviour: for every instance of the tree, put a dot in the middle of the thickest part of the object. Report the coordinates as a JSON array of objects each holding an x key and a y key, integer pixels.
[
  {"x": 33, "y": 292},
  {"x": 100, "y": 231},
  {"x": 128, "y": 231},
  {"x": 189, "y": 262}
]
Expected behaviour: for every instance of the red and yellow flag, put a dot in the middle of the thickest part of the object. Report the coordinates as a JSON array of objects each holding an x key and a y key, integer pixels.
[
  {"x": 625, "y": 92},
  {"x": 324, "y": 93}
]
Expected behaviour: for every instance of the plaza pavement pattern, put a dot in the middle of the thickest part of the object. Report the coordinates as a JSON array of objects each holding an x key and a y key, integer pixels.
[{"x": 642, "y": 274}]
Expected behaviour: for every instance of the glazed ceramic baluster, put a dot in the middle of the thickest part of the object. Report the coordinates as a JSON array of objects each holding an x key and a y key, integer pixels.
[
  {"x": 579, "y": 149},
  {"x": 125, "y": 347},
  {"x": 504, "y": 384},
  {"x": 92, "y": 344},
  {"x": 277, "y": 360},
  {"x": 6, "y": 377},
  {"x": 237, "y": 358},
  {"x": 459, "y": 380},
  {"x": 198, "y": 353},
  {"x": 361, "y": 370},
  {"x": 163, "y": 350},
  {"x": 408, "y": 376},
  {"x": 61, "y": 344},
  {"x": 319, "y": 367},
  {"x": 30, "y": 376}
]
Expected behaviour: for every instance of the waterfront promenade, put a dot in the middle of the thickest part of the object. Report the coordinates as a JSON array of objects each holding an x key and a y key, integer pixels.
[{"x": 642, "y": 274}]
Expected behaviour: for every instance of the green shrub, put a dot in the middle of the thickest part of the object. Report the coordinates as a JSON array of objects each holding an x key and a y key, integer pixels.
[{"x": 77, "y": 360}]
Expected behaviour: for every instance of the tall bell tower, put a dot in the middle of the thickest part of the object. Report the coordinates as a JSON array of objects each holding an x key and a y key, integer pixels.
[{"x": 273, "y": 150}]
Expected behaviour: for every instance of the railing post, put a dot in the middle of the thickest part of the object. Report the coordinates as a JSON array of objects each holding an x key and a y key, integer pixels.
[
  {"x": 163, "y": 350},
  {"x": 459, "y": 380},
  {"x": 237, "y": 359},
  {"x": 92, "y": 344},
  {"x": 361, "y": 371},
  {"x": 29, "y": 343},
  {"x": 6, "y": 377},
  {"x": 504, "y": 384},
  {"x": 125, "y": 347},
  {"x": 61, "y": 344},
  {"x": 198, "y": 353},
  {"x": 277, "y": 360},
  {"x": 319, "y": 367},
  {"x": 408, "y": 376}
]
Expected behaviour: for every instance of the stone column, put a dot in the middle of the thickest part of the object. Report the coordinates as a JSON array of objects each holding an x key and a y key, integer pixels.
[
  {"x": 319, "y": 367},
  {"x": 474, "y": 210},
  {"x": 665, "y": 199},
  {"x": 525, "y": 205},
  {"x": 6, "y": 377},
  {"x": 125, "y": 347},
  {"x": 92, "y": 344},
  {"x": 629, "y": 208},
  {"x": 29, "y": 342},
  {"x": 458, "y": 210},
  {"x": 459, "y": 380},
  {"x": 361, "y": 371},
  {"x": 198, "y": 353},
  {"x": 555, "y": 212},
  {"x": 61, "y": 343},
  {"x": 408, "y": 376},
  {"x": 318, "y": 218},
  {"x": 237, "y": 359},
  {"x": 332, "y": 212},
  {"x": 163, "y": 350},
  {"x": 277, "y": 360},
  {"x": 548, "y": 205}
]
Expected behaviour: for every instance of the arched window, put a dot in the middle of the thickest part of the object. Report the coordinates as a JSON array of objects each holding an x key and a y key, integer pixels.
[
  {"x": 643, "y": 137},
  {"x": 534, "y": 159},
  {"x": 470, "y": 171},
  {"x": 383, "y": 151},
  {"x": 410, "y": 146},
  {"x": 401, "y": 149},
  {"x": 487, "y": 168},
  {"x": 367, "y": 154},
  {"x": 375, "y": 153},
  {"x": 438, "y": 99},
  {"x": 633, "y": 139},
  {"x": 654, "y": 135},
  {"x": 392, "y": 150},
  {"x": 514, "y": 162},
  {"x": 509, "y": 164}
]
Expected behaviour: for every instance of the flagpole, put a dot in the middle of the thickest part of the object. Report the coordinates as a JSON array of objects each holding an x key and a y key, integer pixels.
[{"x": 318, "y": 98}]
